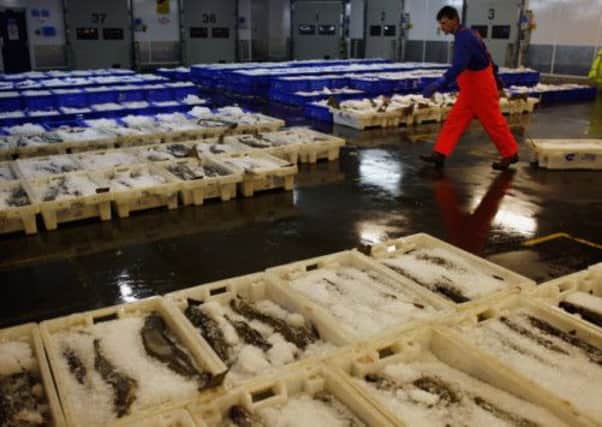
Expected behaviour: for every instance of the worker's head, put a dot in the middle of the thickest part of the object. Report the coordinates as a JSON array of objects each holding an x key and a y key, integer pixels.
[{"x": 448, "y": 19}]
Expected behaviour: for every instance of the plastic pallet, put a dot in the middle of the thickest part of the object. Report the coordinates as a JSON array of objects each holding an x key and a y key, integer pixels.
[
  {"x": 199, "y": 350},
  {"x": 30, "y": 334},
  {"x": 513, "y": 281}
]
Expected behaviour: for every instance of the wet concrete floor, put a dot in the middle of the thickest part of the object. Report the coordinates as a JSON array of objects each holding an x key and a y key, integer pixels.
[{"x": 378, "y": 190}]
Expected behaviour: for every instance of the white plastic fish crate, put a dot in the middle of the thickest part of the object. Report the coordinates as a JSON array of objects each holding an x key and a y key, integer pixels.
[
  {"x": 427, "y": 115},
  {"x": 286, "y": 388},
  {"x": 171, "y": 418},
  {"x": 7, "y": 172},
  {"x": 37, "y": 150},
  {"x": 130, "y": 200},
  {"x": 431, "y": 354},
  {"x": 254, "y": 288},
  {"x": 33, "y": 168},
  {"x": 242, "y": 143},
  {"x": 30, "y": 334},
  {"x": 72, "y": 208},
  {"x": 196, "y": 191},
  {"x": 363, "y": 121},
  {"x": 264, "y": 178},
  {"x": 199, "y": 350},
  {"x": 97, "y": 139},
  {"x": 315, "y": 145},
  {"x": 18, "y": 218},
  {"x": 576, "y": 289},
  {"x": 162, "y": 153},
  {"x": 405, "y": 303},
  {"x": 573, "y": 383},
  {"x": 566, "y": 153},
  {"x": 97, "y": 159},
  {"x": 513, "y": 282}
]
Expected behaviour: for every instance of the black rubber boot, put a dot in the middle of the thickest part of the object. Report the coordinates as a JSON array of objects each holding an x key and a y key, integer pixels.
[
  {"x": 435, "y": 158},
  {"x": 504, "y": 162}
]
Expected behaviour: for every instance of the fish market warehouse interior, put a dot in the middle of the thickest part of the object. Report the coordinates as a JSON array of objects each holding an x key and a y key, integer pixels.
[{"x": 300, "y": 213}]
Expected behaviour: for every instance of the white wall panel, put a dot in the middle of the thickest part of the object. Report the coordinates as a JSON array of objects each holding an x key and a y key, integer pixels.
[
  {"x": 565, "y": 22},
  {"x": 423, "y": 15}
]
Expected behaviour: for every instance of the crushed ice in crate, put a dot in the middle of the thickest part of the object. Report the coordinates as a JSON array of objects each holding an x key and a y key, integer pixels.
[
  {"x": 23, "y": 399},
  {"x": 586, "y": 305},
  {"x": 229, "y": 147},
  {"x": 135, "y": 178},
  {"x": 107, "y": 159},
  {"x": 68, "y": 133},
  {"x": 561, "y": 362},
  {"x": 107, "y": 106},
  {"x": 252, "y": 338},
  {"x": 13, "y": 196},
  {"x": 253, "y": 164},
  {"x": 446, "y": 273},
  {"x": 361, "y": 302},
  {"x": 192, "y": 171},
  {"x": 26, "y": 129},
  {"x": 40, "y": 167},
  {"x": 66, "y": 187},
  {"x": 431, "y": 393},
  {"x": 123, "y": 366}
]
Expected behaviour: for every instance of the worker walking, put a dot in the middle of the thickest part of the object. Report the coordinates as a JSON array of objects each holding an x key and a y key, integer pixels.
[{"x": 477, "y": 79}]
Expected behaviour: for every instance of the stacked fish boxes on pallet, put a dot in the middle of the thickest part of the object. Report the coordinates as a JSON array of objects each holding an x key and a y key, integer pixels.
[
  {"x": 26, "y": 385},
  {"x": 579, "y": 294},
  {"x": 541, "y": 347},
  {"x": 255, "y": 327},
  {"x": 566, "y": 153},
  {"x": 428, "y": 377},
  {"x": 450, "y": 272},
  {"x": 359, "y": 295},
  {"x": 130, "y": 360},
  {"x": 311, "y": 395}
]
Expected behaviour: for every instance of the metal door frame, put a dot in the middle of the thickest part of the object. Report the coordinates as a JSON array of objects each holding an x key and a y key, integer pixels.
[
  {"x": 23, "y": 9},
  {"x": 398, "y": 30}
]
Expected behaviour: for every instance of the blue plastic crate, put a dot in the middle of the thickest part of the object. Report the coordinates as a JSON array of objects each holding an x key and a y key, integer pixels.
[
  {"x": 317, "y": 112},
  {"x": 319, "y": 84},
  {"x": 179, "y": 108},
  {"x": 181, "y": 92},
  {"x": 130, "y": 94},
  {"x": 11, "y": 101},
  {"x": 158, "y": 93},
  {"x": 44, "y": 100},
  {"x": 339, "y": 82},
  {"x": 73, "y": 98},
  {"x": 101, "y": 96}
]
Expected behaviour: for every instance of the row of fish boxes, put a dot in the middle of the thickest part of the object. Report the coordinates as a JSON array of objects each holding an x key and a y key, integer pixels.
[
  {"x": 101, "y": 138},
  {"x": 91, "y": 194},
  {"x": 193, "y": 179},
  {"x": 312, "y": 355},
  {"x": 417, "y": 115}
]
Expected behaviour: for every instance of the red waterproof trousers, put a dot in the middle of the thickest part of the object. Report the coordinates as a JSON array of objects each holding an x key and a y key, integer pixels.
[{"x": 478, "y": 98}]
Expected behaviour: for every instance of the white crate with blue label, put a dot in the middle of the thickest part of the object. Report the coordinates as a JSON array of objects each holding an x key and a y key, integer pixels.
[{"x": 566, "y": 153}]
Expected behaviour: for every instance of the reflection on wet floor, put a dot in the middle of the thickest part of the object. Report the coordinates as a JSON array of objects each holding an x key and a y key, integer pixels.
[{"x": 377, "y": 191}]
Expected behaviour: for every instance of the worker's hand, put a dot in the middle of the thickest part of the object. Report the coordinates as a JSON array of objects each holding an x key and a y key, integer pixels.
[
  {"x": 430, "y": 89},
  {"x": 499, "y": 83}
]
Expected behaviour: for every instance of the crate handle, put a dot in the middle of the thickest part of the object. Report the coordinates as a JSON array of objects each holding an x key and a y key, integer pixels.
[
  {"x": 566, "y": 286},
  {"x": 105, "y": 318},
  {"x": 218, "y": 291},
  {"x": 194, "y": 302},
  {"x": 386, "y": 352},
  {"x": 312, "y": 267},
  {"x": 262, "y": 394},
  {"x": 485, "y": 315}
]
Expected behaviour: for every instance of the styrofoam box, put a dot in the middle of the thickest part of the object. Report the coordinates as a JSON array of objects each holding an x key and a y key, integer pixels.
[
  {"x": 428, "y": 345},
  {"x": 513, "y": 281},
  {"x": 276, "y": 391},
  {"x": 196, "y": 191},
  {"x": 72, "y": 208},
  {"x": 400, "y": 290},
  {"x": 18, "y": 218},
  {"x": 30, "y": 334},
  {"x": 266, "y": 178},
  {"x": 171, "y": 418},
  {"x": 570, "y": 289},
  {"x": 198, "y": 348},
  {"x": 477, "y": 317},
  {"x": 253, "y": 288},
  {"x": 566, "y": 153}
]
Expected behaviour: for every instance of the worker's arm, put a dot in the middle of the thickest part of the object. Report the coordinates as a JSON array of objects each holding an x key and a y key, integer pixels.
[{"x": 461, "y": 58}]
